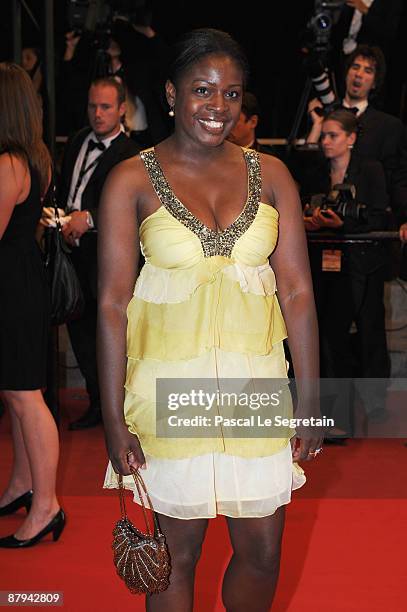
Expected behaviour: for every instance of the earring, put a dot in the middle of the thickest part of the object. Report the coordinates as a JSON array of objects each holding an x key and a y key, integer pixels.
[
  {"x": 350, "y": 146},
  {"x": 171, "y": 112}
]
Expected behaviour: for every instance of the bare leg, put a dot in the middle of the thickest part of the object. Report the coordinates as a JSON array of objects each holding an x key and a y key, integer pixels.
[
  {"x": 184, "y": 539},
  {"x": 20, "y": 478},
  {"x": 41, "y": 442},
  {"x": 251, "y": 577}
]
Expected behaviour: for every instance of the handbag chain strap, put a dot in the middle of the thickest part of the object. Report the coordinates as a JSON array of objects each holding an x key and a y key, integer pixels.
[
  {"x": 55, "y": 205},
  {"x": 141, "y": 489}
]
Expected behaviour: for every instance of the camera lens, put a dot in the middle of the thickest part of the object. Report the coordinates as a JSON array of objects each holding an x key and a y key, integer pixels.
[{"x": 323, "y": 21}]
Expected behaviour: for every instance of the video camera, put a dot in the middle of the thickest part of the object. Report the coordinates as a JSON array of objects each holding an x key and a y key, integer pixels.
[
  {"x": 326, "y": 14},
  {"x": 342, "y": 200},
  {"x": 98, "y": 16}
]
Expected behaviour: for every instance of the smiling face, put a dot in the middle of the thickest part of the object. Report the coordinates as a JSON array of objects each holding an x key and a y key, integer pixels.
[
  {"x": 207, "y": 99},
  {"x": 360, "y": 79},
  {"x": 335, "y": 141}
]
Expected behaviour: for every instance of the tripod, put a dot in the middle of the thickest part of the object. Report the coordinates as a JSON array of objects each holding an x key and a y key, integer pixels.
[{"x": 306, "y": 92}]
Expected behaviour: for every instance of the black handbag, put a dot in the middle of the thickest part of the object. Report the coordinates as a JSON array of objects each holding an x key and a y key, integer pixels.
[{"x": 67, "y": 301}]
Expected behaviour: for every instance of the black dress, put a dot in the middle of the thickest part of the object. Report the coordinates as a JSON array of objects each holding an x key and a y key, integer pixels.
[{"x": 24, "y": 298}]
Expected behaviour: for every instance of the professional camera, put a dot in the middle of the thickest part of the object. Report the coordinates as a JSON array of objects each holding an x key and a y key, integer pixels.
[
  {"x": 98, "y": 15},
  {"x": 96, "y": 21},
  {"x": 321, "y": 80},
  {"x": 326, "y": 14},
  {"x": 342, "y": 200}
]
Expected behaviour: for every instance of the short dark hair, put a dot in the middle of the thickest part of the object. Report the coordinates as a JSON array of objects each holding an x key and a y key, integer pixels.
[
  {"x": 196, "y": 44},
  {"x": 250, "y": 105},
  {"x": 374, "y": 55},
  {"x": 111, "y": 81},
  {"x": 346, "y": 118}
]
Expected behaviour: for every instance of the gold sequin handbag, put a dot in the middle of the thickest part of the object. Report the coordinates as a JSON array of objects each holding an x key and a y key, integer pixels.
[{"x": 141, "y": 559}]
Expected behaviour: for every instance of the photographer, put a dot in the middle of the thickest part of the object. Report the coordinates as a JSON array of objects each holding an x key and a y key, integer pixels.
[
  {"x": 128, "y": 48},
  {"x": 349, "y": 280},
  {"x": 383, "y": 137}
]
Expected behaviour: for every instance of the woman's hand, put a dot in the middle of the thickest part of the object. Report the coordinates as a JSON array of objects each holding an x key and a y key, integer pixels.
[
  {"x": 309, "y": 222},
  {"x": 326, "y": 218},
  {"x": 303, "y": 449},
  {"x": 317, "y": 120},
  {"x": 309, "y": 433},
  {"x": 124, "y": 452}
]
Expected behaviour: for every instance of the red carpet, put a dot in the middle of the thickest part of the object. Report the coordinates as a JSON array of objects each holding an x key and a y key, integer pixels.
[{"x": 344, "y": 545}]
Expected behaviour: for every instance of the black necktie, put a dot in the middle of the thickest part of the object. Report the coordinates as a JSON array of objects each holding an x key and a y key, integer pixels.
[
  {"x": 352, "y": 109},
  {"x": 92, "y": 145}
]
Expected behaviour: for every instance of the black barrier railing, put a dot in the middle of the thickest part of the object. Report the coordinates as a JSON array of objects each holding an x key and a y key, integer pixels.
[{"x": 362, "y": 238}]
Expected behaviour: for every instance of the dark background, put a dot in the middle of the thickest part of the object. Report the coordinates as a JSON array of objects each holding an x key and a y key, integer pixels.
[{"x": 270, "y": 32}]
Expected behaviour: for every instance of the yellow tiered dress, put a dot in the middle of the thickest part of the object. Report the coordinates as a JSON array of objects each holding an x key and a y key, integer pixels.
[{"x": 205, "y": 306}]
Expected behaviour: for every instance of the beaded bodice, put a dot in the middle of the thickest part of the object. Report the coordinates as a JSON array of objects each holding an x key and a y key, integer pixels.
[{"x": 213, "y": 242}]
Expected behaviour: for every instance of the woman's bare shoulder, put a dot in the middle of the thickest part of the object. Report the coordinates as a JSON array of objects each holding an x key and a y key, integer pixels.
[
  {"x": 13, "y": 169},
  {"x": 276, "y": 177},
  {"x": 12, "y": 162}
]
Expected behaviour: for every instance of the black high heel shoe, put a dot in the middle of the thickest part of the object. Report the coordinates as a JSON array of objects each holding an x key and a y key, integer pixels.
[
  {"x": 55, "y": 526},
  {"x": 24, "y": 500}
]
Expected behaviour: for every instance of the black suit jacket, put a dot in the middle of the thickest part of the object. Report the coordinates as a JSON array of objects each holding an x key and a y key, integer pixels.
[
  {"x": 120, "y": 149},
  {"x": 383, "y": 138},
  {"x": 84, "y": 257}
]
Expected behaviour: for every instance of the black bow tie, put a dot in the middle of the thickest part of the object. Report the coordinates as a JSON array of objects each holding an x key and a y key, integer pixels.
[
  {"x": 93, "y": 144},
  {"x": 353, "y": 109}
]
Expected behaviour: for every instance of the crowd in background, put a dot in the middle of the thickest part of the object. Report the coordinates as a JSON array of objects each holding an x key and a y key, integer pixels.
[{"x": 134, "y": 57}]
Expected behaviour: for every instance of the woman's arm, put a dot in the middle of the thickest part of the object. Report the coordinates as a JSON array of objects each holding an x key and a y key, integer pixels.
[
  {"x": 295, "y": 294},
  {"x": 118, "y": 254},
  {"x": 13, "y": 175},
  {"x": 317, "y": 121}
]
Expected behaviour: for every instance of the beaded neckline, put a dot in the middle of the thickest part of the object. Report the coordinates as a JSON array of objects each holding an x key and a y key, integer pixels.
[{"x": 213, "y": 242}]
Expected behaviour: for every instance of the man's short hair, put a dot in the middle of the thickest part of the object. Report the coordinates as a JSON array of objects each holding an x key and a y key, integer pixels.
[
  {"x": 250, "y": 106},
  {"x": 374, "y": 55},
  {"x": 111, "y": 81}
]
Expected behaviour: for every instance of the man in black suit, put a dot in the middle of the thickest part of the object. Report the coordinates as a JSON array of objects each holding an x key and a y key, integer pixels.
[
  {"x": 89, "y": 156},
  {"x": 244, "y": 132}
]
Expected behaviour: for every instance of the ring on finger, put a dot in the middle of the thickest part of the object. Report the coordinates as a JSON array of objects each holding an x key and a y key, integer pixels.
[{"x": 315, "y": 452}]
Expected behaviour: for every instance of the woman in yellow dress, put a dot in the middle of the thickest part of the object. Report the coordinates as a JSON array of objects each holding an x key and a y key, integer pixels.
[{"x": 210, "y": 218}]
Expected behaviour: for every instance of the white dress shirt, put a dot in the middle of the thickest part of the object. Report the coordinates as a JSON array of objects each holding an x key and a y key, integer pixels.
[
  {"x": 350, "y": 42},
  {"x": 92, "y": 156},
  {"x": 361, "y": 106}
]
